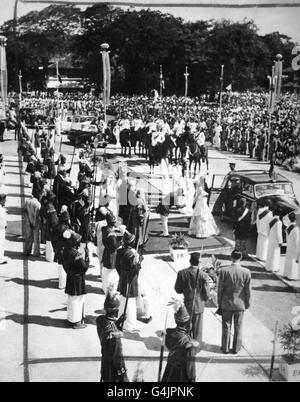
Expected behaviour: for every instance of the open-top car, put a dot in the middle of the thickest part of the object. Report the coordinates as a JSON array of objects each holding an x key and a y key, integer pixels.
[{"x": 251, "y": 185}]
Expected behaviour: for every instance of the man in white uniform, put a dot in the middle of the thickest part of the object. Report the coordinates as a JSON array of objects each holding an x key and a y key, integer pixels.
[
  {"x": 263, "y": 220},
  {"x": 3, "y": 225},
  {"x": 275, "y": 242},
  {"x": 291, "y": 267}
]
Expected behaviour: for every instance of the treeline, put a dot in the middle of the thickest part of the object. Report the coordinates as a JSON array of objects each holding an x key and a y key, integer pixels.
[{"x": 140, "y": 42}]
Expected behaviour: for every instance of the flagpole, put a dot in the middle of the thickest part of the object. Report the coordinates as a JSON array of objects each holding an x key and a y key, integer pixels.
[
  {"x": 221, "y": 90},
  {"x": 20, "y": 86},
  {"x": 186, "y": 76},
  {"x": 161, "y": 82},
  {"x": 57, "y": 78},
  {"x": 106, "y": 77}
]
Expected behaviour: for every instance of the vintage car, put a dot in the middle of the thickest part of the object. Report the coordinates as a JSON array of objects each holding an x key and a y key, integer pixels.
[
  {"x": 84, "y": 130},
  {"x": 251, "y": 185}
]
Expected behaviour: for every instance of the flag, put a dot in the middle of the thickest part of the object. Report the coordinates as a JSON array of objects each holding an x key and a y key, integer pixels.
[
  {"x": 3, "y": 78},
  {"x": 106, "y": 77},
  {"x": 229, "y": 88}
]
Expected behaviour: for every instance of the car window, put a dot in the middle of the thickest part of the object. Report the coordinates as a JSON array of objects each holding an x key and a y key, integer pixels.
[
  {"x": 248, "y": 189},
  {"x": 262, "y": 190}
]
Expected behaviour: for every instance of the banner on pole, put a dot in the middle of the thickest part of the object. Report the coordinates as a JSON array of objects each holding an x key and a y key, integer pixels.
[
  {"x": 3, "y": 78},
  {"x": 106, "y": 77}
]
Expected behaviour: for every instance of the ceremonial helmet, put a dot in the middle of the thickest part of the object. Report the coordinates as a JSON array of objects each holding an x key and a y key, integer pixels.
[
  {"x": 112, "y": 301},
  {"x": 182, "y": 316},
  {"x": 128, "y": 238}
]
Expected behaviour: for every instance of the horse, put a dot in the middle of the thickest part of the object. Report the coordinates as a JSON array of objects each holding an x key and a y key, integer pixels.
[
  {"x": 125, "y": 141},
  {"x": 197, "y": 153}
]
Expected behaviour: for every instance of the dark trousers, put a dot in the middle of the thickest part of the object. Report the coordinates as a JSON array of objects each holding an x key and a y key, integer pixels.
[
  {"x": 197, "y": 328},
  {"x": 227, "y": 318}
]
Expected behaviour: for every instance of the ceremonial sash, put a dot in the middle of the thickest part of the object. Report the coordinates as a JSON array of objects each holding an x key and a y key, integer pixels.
[
  {"x": 290, "y": 228},
  {"x": 274, "y": 221},
  {"x": 263, "y": 214}
]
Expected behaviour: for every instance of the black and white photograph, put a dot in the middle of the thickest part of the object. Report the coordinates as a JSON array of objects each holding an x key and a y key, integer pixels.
[{"x": 149, "y": 194}]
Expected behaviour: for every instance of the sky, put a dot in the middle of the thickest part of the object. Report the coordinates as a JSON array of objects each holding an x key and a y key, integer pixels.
[{"x": 284, "y": 20}]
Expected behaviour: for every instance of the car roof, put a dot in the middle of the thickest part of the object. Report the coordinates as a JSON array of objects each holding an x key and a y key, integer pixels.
[{"x": 259, "y": 176}]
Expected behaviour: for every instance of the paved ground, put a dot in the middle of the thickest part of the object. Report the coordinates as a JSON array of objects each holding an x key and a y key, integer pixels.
[{"x": 40, "y": 347}]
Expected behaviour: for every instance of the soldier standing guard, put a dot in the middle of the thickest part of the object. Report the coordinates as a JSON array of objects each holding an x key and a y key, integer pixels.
[
  {"x": 113, "y": 367},
  {"x": 128, "y": 267},
  {"x": 76, "y": 268},
  {"x": 58, "y": 243},
  {"x": 181, "y": 365},
  {"x": 111, "y": 244}
]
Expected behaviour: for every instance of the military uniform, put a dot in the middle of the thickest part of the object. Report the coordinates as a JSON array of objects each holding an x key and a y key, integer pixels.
[
  {"x": 181, "y": 365},
  {"x": 111, "y": 244},
  {"x": 113, "y": 367},
  {"x": 76, "y": 268},
  {"x": 128, "y": 270}
]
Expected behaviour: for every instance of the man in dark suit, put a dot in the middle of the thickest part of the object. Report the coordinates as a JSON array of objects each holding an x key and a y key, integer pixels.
[
  {"x": 194, "y": 285},
  {"x": 233, "y": 299}
]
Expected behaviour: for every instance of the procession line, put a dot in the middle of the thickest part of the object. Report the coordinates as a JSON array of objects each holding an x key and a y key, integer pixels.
[{"x": 26, "y": 286}]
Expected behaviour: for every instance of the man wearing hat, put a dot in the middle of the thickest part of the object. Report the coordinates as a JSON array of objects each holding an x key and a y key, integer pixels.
[
  {"x": 181, "y": 365},
  {"x": 3, "y": 225},
  {"x": 111, "y": 244},
  {"x": 113, "y": 368},
  {"x": 234, "y": 291},
  {"x": 76, "y": 268},
  {"x": 49, "y": 220},
  {"x": 128, "y": 267},
  {"x": 194, "y": 285}
]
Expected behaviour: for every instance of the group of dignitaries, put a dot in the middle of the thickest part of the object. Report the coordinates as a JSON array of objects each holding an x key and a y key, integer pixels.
[{"x": 270, "y": 240}]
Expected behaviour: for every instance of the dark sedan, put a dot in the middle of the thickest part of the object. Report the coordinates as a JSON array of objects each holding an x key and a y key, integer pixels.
[{"x": 252, "y": 185}]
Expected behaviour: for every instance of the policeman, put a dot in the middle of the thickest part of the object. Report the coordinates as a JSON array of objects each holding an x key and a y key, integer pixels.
[{"x": 113, "y": 367}]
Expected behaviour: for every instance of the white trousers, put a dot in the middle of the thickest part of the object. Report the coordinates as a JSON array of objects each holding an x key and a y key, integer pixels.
[
  {"x": 75, "y": 309},
  {"x": 62, "y": 277},
  {"x": 109, "y": 277},
  {"x": 164, "y": 223},
  {"x": 49, "y": 252},
  {"x": 131, "y": 323},
  {"x": 2, "y": 245}
]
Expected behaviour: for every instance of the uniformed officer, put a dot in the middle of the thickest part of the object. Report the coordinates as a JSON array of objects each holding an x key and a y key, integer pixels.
[
  {"x": 76, "y": 268},
  {"x": 181, "y": 365},
  {"x": 113, "y": 367}
]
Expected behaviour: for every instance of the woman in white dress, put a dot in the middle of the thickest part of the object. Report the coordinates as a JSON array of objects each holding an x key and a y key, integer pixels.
[{"x": 202, "y": 224}]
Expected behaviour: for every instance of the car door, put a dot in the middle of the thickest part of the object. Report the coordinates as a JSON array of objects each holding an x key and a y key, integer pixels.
[{"x": 216, "y": 195}]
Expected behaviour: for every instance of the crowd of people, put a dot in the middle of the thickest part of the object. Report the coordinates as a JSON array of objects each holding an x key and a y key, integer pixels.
[{"x": 63, "y": 213}]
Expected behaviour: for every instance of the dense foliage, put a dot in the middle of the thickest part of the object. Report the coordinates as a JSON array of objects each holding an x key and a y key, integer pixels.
[{"x": 142, "y": 40}]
